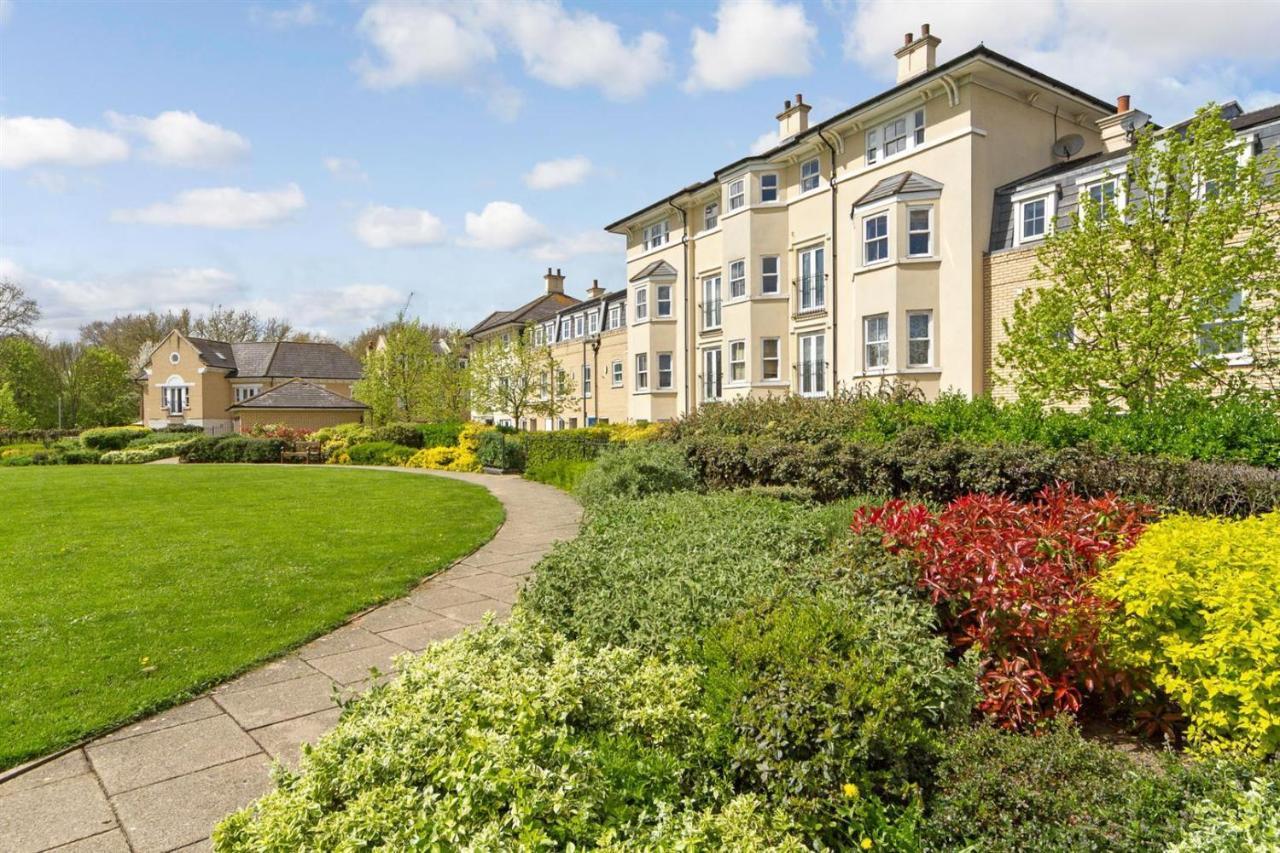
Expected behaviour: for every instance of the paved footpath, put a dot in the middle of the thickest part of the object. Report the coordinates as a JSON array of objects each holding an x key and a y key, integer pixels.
[{"x": 161, "y": 784}]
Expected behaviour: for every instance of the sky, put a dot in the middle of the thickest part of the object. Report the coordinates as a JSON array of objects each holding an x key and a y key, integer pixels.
[{"x": 321, "y": 161}]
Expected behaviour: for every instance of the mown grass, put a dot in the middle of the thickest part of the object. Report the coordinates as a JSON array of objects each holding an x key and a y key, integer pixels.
[{"x": 126, "y": 589}]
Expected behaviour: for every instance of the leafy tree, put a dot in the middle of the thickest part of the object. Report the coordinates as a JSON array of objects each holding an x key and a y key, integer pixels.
[
  {"x": 26, "y": 370},
  {"x": 105, "y": 393},
  {"x": 12, "y": 417},
  {"x": 126, "y": 334},
  {"x": 416, "y": 376},
  {"x": 18, "y": 312},
  {"x": 513, "y": 376},
  {"x": 1149, "y": 297},
  {"x": 232, "y": 326}
]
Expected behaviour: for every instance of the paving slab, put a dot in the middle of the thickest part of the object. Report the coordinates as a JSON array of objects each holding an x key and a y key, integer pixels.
[
  {"x": 284, "y": 700},
  {"x": 58, "y": 813},
  {"x": 474, "y": 611},
  {"x": 283, "y": 741},
  {"x": 418, "y": 637},
  {"x": 123, "y": 765},
  {"x": 111, "y": 841},
  {"x": 284, "y": 669},
  {"x": 439, "y": 594},
  {"x": 355, "y": 666},
  {"x": 346, "y": 639},
  {"x": 489, "y": 584},
  {"x": 176, "y": 716},
  {"x": 64, "y": 767},
  {"x": 390, "y": 616}
]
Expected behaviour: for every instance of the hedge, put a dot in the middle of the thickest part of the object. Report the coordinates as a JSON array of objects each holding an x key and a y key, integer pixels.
[
  {"x": 38, "y": 436},
  {"x": 111, "y": 438},
  {"x": 497, "y": 450},
  {"x": 379, "y": 453},
  {"x": 569, "y": 445},
  {"x": 234, "y": 448},
  {"x": 918, "y": 464}
]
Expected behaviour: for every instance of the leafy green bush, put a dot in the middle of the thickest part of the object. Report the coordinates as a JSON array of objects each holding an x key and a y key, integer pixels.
[
  {"x": 80, "y": 456},
  {"x": 636, "y": 470},
  {"x": 443, "y": 434},
  {"x": 233, "y": 448},
  {"x": 561, "y": 473},
  {"x": 1249, "y": 819},
  {"x": 160, "y": 437},
  {"x": 405, "y": 435},
  {"x": 654, "y": 571},
  {"x": 1200, "y": 615},
  {"x": 508, "y": 737},
  {"x": 808, "y": 693},
  {"x": 111, "y": 438},
  {"x": 379, "y": 453},
  {"x": 573, "y": 445},
  {"x": 137, "y": 455},
  {"x": 496, "y": 449}
]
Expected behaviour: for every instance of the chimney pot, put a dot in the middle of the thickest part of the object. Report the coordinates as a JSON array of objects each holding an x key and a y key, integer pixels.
[
  {"x": 924, "y": 29},
  {"x": 907, "y": 38},
  {"x": 786, "y": 105},
  {"x": 548, "y": 270},
  {"x": 799, "y": 98},
  {"x": 1122, "y": 104}
]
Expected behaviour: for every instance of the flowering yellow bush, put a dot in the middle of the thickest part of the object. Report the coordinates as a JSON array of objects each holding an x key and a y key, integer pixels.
[
  {"x": 1200, "y": 612},
  {"x": 444, "y": 459},
  {"x": 469, "y": 436},
  {"x": 627, "y": 433}
]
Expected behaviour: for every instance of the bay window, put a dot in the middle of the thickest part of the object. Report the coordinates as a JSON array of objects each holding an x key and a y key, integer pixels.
[
  {"x": 642, "y": 303},
  {"x": 737, "y": 194},
  {"x": 665, "y": 372},
  {"x": 664, "y": 300},
  {"x": 875, "y": 342},
  {"x": 737, "y": 279},
  {"x": 770, "y": 358},
  {"x": 768, "y": 188},
  {"x": 919, "y": 338},
  {"x": 642, "y": 371},
  {"x": 919, "y": 232},
  {"x": 737, "y": 361},
  {"x": 769, "y": 274},
  {"x": 875, "y": 239}
]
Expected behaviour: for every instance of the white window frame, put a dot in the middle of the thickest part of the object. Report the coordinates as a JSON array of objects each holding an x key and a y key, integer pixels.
[
  {"x": 775, "y": 189},
  {"x": 776, "y": 359},
  {"x": 656, "y": 234},
  {"x": 815, "y": 294},
  {"x": 738, "y": 363},
  {"x": 593, "y": 322},
  {"x": 711, "y": 216},
  {"x": 1048, "y": 195},
  {"x": 642, "y": 371},
  {"x": 613, "y": 319},
  {"x": 738, "y": 279},
  {"x": 711, "y": 302},
  {"x": 737, "y": 194},
  {"x": 1119, "y": 199},
  {"x": 586, "y": 380},
  {"x": 579, "y": 325},
  {"x": 812, "y": 367},
  {"x": 712, "y": 374},
  {"x": 810, "y": 182},
  {"x": 1234, "y": 358},
  {"x": 666, "y": 375},
  {"x": 661, "y": 300},
  {"x": 766, "y": 276},
  {"x": 244, "y": 392},
  {"x": 873, "y": 146},
  {"x": 615, "y": 371},
  {"x": 867, "y": 242},
  {"x": 881, "y": 343},
  {"x": 878, "y": 138},
  {"x": 566, "y": 328},
  {"x": 642, "y": 304},
  {"x": 928, "y": 232},
  {"x": 928, "y": 315}
]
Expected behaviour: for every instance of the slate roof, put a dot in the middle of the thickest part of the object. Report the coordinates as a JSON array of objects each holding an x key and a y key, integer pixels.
[
  {"x": 298, "y": 394},
  {"x": 657, "y": 269},
  {"x": 258, "y": 359},
  {"x": 214, "y": 353},
  {"x": 903, "y": 182},
  {"x": 544, "y": 307}
]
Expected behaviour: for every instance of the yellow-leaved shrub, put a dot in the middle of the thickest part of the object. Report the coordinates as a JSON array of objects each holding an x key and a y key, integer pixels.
[
  {"x": 627, "y": 433},
  {"x": 460, "y": 458},
  {"x": 1200, "y": 615}
]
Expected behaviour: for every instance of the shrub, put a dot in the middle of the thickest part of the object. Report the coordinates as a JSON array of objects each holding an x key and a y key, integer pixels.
[
  {"x": 654, "y": 571},
  {"x": 1248, "y": 820},
  {"x": 283, "y": 431},
  {"x": 136, "y": 455},
  {"x": 1200, "y": 615},
  {"x": 405, "y": 435},
  {"x": 636, "y": 470},
  {"x": 160, "y": 437},
  {"x": 496, "y": 450},
  {"x": 444, "y": 459},
  {"x": 572, "y": 445},
  {"x": 561, "y": 473},
  {"x": 806, "y": 694},
  {"x": 379, "y": 453},
  {"x": 233, "y": 448},
  {"x": 505, "y": 738},
  {"x": 443, "y": 434},
  {"x": 1014, "y": 581},
  {"x": 37, "y": 436},
  {"x": 111, "y": 438},
  {"x": 80, "y": 456}
]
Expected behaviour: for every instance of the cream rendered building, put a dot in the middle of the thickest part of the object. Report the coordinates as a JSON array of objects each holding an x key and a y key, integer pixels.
[{"x": 851, "y": 251}]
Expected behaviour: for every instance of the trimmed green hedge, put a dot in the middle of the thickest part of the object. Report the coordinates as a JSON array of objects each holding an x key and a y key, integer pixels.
[
  {"x": 112, "y": 438},
  {"x": 233, "y": 448},
  {"x": 379, "y": 453},
  {"x": 568, "y": 445},
  {"x": 498, "y": 450}
]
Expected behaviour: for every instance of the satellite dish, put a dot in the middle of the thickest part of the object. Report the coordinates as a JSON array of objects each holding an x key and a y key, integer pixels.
[{"x": 1068, "y": 146}]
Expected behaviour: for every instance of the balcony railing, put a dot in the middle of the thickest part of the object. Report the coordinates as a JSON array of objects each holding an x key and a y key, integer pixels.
[{"x": 812, "y": 293}]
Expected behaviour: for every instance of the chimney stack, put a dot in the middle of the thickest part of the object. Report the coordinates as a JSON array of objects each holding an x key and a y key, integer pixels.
[
  {"x": 793, "y": 119},
  {"x": 555, "y": 281},
  {"x": 595, "y": 291},
  {"x": 1117, "y": 130},
  {"x": 917, "y": 55}
]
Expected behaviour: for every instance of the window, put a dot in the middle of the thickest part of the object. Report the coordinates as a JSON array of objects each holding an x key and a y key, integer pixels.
[
  {"x": 809, "y": 175},
  {"x": 711, "y": 302},
  {"x": 642, "y": 371},
  {"x": 1103, "y": 194},
  {"x": 768, "y": 188},
  {"x": 175, "y": 398},
  {"x": 616, "y": 370},
  {"x": 1225, "y": 337},
  {"x": 895, "y": 136},
  {"x": 593, "y": 322},
  {"x": 539, "y": 336},
  {"x": 711, "y": 379},
  {"x": 919, "y": 232},
  {"x": 770, "y": 358},
  {"x": 174, "y": 358},
  {"x": 579, "y": 326},
  {"x": 919, "y": 338},
  {"x": 813, "y": 364},
  {"x": 665, "y": 374},
  {"x": 737, "y": 361},
  {"x": 614, "y": 318},
  {"x": 875, "y": 342},
  {"x": 875, "y": 239},
  {"x": 873, "y": 146},
  {"x": 565, "y": 328},
  {"x": 918, "y": 123},
  {"x": 642, "y": 303},
  {"x": 664, "y": 300},
  {"x": 655, "y": 235},
  {"x": 769, "y": 274},
  {"x": 813, "y": 279},
  {"x": 1033, "y": 219},
  {"x": 244, "y": 392},
  {"x": 737, "y": 279},
  {"x": 737, "y": 194},
  {"x": 710, "y": 216},
  {"x": 586, "y": 380}
]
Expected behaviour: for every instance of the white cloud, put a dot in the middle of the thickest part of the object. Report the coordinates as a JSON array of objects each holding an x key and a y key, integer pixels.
[
  {"x": 553, "y": 174},
  {"x": 753, "y": 40},
  {"x": 764, "y": 142},
  {"x": 26, "y": 141},
  {"x": 587, "y": 243},
  {"x": 503, "y": 225},
  {"x": 183, "y": 139},
  {"x": 345, "y": 168},
  {"x": 443, "y": 43},
  {"x": 220, "y": 207},
  {"x": 1128, "y": 50},
  {"x": 392, "y": 227},
  {"x": 299, "y": 15}
]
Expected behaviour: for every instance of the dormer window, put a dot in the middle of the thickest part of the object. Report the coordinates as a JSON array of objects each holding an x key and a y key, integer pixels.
[
  {"x": 1103, "y": 194},
  {"x": 655, "y": 235}
]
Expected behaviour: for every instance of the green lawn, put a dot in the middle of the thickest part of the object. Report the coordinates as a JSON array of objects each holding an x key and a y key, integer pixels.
[{"x": 124, "y": 589}]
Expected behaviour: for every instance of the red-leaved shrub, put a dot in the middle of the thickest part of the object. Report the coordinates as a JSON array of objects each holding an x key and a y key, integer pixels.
[
  {"x": 283, "y": 431},
  {"x": 1013, "y": 579}
]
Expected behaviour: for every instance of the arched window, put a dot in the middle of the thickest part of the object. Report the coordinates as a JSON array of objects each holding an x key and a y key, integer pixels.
[{"x": 175, "y": 395}]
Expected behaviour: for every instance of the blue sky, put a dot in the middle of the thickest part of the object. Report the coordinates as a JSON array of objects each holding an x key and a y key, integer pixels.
[{"x": 320, "y": 161}]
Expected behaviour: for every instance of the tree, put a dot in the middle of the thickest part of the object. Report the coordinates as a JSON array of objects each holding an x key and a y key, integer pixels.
[
  {"x": 105, "y": 394},
  {"x": 513, "y": 376},
  {"x": 18, "y": 313},
  {"x": 232, "y": 326},
  {"x": 1156, "y": 295},
  {"x": 25, "y": 368},
  {"x": 12, "y": 417},
  {"x": 417, "y": 376},
  {"x": 126, "y": 334}
]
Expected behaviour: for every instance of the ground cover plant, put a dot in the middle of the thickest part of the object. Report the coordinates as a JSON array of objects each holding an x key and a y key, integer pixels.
[{"x": 126, "y": 588}]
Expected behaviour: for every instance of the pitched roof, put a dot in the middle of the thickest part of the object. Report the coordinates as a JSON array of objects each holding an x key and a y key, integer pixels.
[
  {"x": 298, "y": 394},
  {"x": 657, "y": 269},
  {"x": 541, "y": 308},
  {"x": 255, "y": 359},
  {"x": 903, "y": 182},
  {"x": 214, "y": 353}
]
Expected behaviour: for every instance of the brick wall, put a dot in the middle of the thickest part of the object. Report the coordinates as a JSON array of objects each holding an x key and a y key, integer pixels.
[{"x": 1004, "y": 276}]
